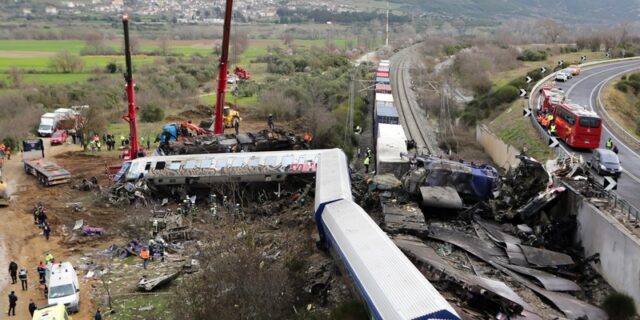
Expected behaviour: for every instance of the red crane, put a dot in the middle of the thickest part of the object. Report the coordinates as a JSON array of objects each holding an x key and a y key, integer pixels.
[
  {"x": 218, "y": 126},
  {"x": 130, "y": 117}
]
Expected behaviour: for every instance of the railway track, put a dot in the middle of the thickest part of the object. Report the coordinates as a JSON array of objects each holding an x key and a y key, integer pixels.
[{"x": 412, "y": 121}]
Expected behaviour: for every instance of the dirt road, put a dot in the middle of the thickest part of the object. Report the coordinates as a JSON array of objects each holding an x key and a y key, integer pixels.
[{"x": 23, "y": 242}]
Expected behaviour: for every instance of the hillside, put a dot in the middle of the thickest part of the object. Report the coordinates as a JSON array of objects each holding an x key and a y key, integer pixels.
[{"x": 569, "y": 11}]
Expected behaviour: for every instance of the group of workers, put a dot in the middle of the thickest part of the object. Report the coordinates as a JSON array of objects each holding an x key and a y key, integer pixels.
[
  {"x": 547, "y": 121},
  {"x": 22, "y": 275},
  {"x": 41, "y": 220}
]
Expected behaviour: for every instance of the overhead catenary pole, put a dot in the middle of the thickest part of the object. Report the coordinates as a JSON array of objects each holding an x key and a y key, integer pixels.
[
  {"x": 386, "y": 40},
  {"x": 218, "y": 126},
  {"x": 131, "y": 95}
]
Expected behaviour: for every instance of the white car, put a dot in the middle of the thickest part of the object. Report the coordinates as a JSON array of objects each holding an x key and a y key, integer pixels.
[{"x": 561, "y": 76}]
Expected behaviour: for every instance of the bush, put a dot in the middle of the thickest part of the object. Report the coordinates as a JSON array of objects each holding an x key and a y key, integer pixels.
[
  {"x": 621, "y": 86},
  {"x": 624, "y": 77},
  {"x": 530, "y": 55},
  {"x": 506, "y": 94},
  {"x": 151, "y": 113},
  {"x": 619, "y": 306}
]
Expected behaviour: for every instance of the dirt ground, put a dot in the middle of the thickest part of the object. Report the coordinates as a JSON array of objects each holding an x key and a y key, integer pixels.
[{"x": 23, "y": 241}]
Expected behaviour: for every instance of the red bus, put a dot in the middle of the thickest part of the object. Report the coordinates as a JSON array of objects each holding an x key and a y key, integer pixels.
[{"x": 576, "y": 126}]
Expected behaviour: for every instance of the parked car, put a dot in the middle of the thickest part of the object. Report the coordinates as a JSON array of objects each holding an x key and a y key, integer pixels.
[
  {"x": 59, "y": 137},
  {"x": 561, "y": 76},
  {"x": 605, "y": 162}
]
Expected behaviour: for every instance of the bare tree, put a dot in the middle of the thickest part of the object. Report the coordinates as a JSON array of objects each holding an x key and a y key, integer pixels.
[
  {"x": 287, "y": 39},
  {"x": 94, "y": 120},
  {"x": 94, "y": 43},
  {"x": 164, "y": 46},
  {"x": 551, "y": 29},
  {"x": 66, "y": 62}
]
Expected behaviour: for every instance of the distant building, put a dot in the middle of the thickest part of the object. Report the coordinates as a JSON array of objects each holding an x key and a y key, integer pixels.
[
  {"x": 26, "y": 11},
  {"x": 51, "y": 10}
]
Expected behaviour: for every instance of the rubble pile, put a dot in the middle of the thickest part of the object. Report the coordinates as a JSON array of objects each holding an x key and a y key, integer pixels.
[{"x": 513, "y": 255}]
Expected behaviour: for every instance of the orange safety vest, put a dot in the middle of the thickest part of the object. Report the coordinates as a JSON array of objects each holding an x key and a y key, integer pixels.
[
  {"x": 144, "y": 254},
  {"x": 545, "y": 122}
]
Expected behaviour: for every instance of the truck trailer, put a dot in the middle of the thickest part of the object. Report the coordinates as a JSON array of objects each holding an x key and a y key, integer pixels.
[{"x": 47, "y": 172}]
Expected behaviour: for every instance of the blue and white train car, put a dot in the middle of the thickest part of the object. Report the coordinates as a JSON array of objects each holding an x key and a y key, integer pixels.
[{"x": 388, "y": 282}]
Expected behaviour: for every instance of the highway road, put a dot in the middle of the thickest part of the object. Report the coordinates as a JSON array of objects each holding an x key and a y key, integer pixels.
[{"x": 584, "y": 90}]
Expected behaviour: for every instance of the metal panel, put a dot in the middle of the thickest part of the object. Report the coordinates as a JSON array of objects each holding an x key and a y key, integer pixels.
[
  {"x": 548, "y": 281},
  {"x": 545, "y": 258}
]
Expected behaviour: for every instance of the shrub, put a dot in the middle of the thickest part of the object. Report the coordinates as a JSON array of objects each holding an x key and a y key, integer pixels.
[
  {"x": 506, "y": 94},
  {"x": 151, "y": 113},
  {"x": 624, "y": 77},
  {"x": 619, "y": 306},
  {"x": 530, "y": 55},
  {"x": 621, "y": 86}
]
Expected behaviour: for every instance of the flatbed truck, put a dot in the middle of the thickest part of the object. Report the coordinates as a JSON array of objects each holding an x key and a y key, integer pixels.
[{"x": 47, "y": 172}]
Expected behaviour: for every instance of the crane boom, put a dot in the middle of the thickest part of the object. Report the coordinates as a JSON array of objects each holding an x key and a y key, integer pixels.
[
  {"x": 218, "y": 127},
  {"x": 131, "y": 95}
]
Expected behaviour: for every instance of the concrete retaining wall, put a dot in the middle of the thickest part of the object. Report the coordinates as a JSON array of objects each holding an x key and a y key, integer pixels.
[
  {"x": 502, "y": 154},
  {"x": 599, "y": 232}
]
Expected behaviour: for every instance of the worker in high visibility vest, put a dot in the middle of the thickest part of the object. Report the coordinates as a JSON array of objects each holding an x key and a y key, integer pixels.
[
  {"x": 366, "y": 164},
  {"x": 609, "y": 144},
  {"x": 550, "y": 117},
  {"x": 552, "y": 129},
  {"x": 144, "y": 254}
]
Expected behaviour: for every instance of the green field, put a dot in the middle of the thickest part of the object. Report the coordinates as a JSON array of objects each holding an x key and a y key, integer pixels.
[
  {"x": 34, "y": 56},
  {"x": 54, "y": 78},
  {"x": 42, "y": 45}
]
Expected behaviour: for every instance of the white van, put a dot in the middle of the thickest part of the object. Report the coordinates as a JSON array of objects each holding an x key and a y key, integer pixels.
[
  {"x": 64, "y": 287},
  {"x": 48, "y": 123}
]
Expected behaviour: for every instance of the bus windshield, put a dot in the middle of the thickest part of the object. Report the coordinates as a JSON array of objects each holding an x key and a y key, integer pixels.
[{"x": 589, "y": 122}]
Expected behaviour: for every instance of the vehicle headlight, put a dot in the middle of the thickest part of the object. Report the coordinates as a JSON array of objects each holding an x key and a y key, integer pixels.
[{"x": 603, "y": 167}]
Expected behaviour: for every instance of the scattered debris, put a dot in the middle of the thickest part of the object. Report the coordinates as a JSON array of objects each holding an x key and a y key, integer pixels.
[{"x": 152, "y": 284}]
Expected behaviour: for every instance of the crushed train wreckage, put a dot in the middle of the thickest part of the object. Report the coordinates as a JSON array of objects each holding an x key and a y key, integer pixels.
[
  {"x": 516, "y": 230},
  {"x": 175, "y": 141}
]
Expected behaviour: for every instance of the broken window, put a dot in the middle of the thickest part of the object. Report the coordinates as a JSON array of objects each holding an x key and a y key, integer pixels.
[
  {"x": 175, "y": 165},
  {"x": 253, "y": 162},
  {"x": 160, "y": 165},
  {"x": 190, "y": 164},
  {"x": 270, "y": 161},
  {"x": 221, "y": 164},
  {"x": 148, "y": 166},
  {"x": 206, "y": 164},
  {"x": 287, "y": 160},
  {"x": 237, "y": 162}
]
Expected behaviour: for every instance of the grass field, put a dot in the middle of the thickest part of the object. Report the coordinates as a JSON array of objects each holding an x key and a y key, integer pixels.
[
  {"x": 622, "y": 107},
  {"x": 34, "y": 56},
  {"x": 516, "y": 130}
]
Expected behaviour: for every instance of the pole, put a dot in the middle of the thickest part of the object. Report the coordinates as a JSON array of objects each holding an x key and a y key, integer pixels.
[
  {"x": 386, "y": 41},
  {"x": 131, "y": 95},
  {"x": 222, "y": 70}
]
